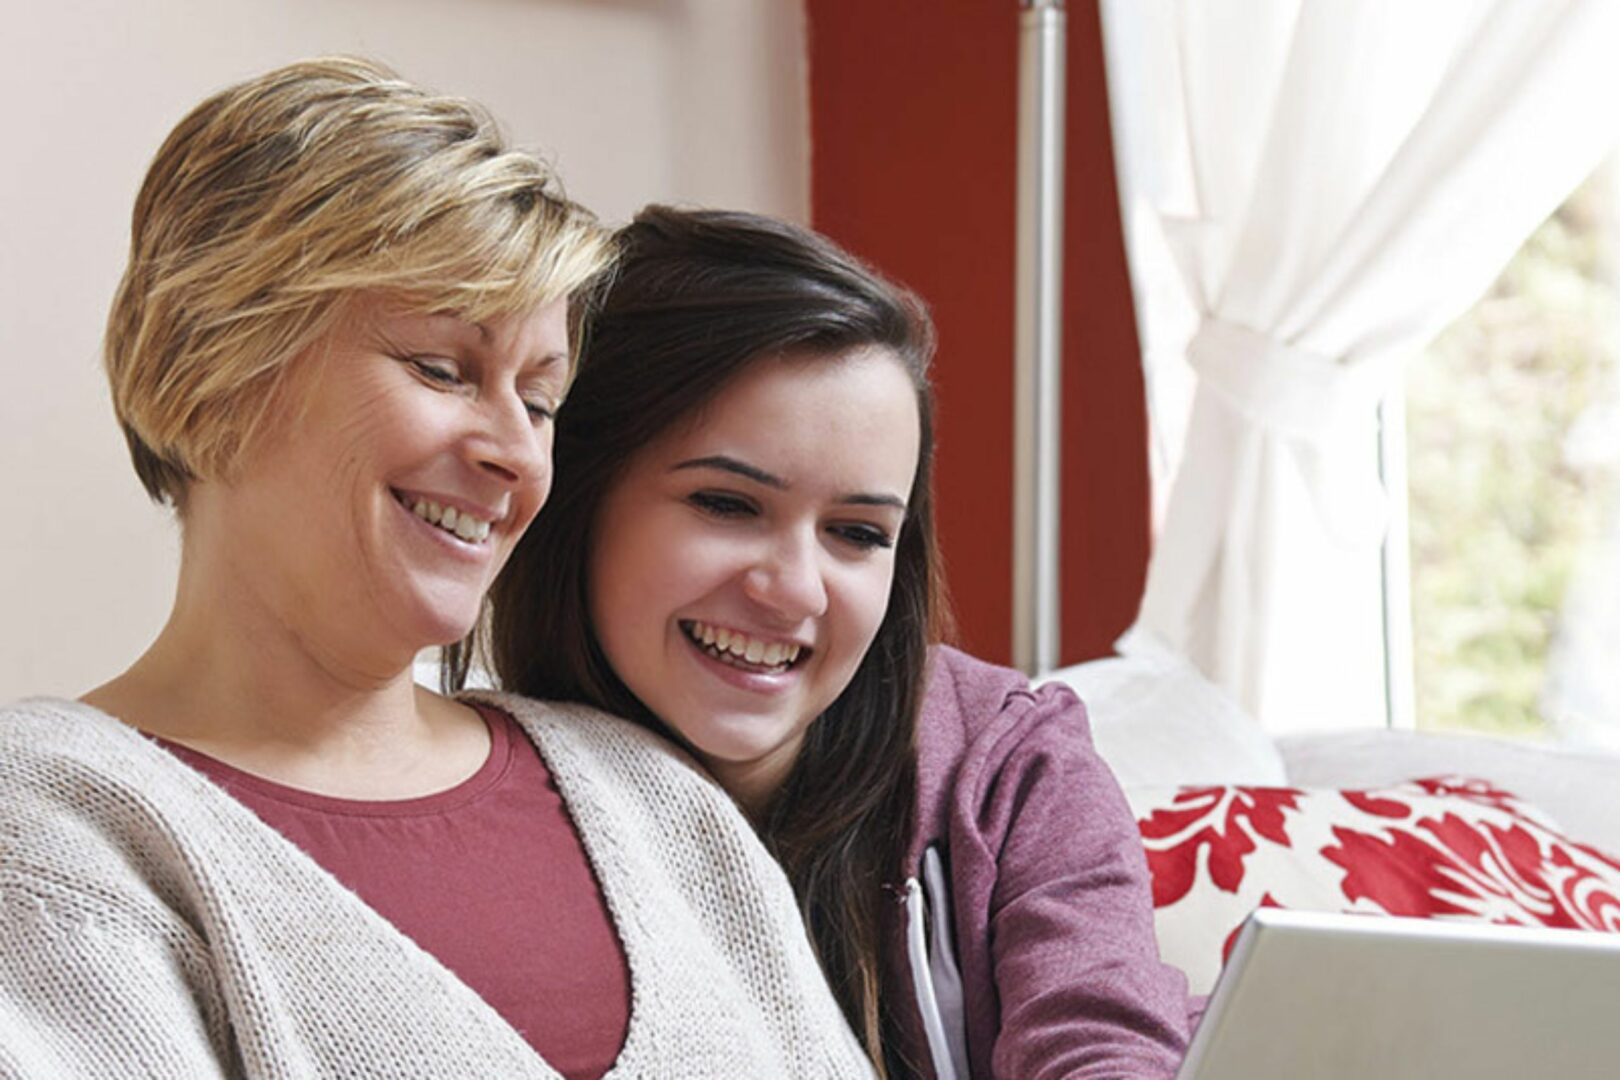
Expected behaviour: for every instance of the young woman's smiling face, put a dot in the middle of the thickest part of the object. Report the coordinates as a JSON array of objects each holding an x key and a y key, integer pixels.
[{"x": 743, "y": 562}]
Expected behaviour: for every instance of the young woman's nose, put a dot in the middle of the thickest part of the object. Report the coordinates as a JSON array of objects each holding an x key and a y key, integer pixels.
[{"x": 787, "y": 580}]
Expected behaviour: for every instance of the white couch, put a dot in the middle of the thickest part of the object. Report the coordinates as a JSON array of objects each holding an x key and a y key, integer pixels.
[{"x": 1158, "y": 722}]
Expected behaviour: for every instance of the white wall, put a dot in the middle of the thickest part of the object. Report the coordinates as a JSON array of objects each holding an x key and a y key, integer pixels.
[{"x": 697, "y": 101}]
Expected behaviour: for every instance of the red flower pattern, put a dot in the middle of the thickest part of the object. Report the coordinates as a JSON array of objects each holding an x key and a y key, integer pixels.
[
  {"x": 1516, "y": 871},
  {"x": 1439, "y": 847},
  {"x": 1218, "y": 819}
]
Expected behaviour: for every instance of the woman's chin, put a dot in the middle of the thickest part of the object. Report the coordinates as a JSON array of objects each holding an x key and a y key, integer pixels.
[
  {"x": 746, "y": 746},
  {"x": 433, "y": 627}
]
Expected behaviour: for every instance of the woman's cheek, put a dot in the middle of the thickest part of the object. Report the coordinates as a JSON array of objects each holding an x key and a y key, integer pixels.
[{"x": 875, "y": 591}]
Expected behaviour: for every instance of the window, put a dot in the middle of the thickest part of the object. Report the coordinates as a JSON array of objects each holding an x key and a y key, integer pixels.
[{"x": 1513, "y": 472}]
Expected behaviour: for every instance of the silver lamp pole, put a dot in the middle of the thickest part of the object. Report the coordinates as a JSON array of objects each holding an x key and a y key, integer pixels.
[{"x": 1038, "y": 339}]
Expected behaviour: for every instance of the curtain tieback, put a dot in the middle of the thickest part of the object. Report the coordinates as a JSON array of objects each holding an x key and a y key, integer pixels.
[{"x": 1287, "y": 390}]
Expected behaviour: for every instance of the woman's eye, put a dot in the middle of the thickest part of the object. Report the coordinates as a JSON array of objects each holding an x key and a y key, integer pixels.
[
  {"x": 434, "y": 370},
  {"x": 540, "y": 412},
  {"x": 722, "y": 505},
  {"x": 864, "y": 536}
]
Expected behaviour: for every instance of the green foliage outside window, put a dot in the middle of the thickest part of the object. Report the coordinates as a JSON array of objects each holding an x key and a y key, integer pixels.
[{"x": 1499, "y": 515}]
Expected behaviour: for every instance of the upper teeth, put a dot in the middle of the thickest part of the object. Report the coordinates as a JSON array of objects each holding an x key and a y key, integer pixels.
[
  {"x": 752, "y": 649},
  {"x": 469, "y": 528}
]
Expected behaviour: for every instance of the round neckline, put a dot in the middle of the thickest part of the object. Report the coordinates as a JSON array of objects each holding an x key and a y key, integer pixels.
[{"x": 489, "y": 774}]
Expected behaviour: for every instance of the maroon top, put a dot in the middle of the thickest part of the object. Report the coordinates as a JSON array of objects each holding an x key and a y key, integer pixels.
[{"x": 489, "y": 877}]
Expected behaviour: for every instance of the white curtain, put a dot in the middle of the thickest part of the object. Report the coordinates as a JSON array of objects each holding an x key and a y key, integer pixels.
[{"x": 1311, "y": 191}]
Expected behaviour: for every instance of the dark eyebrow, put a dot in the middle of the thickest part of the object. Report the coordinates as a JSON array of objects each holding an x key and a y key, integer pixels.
[
  {"x": 731, "y": 465},
  {"x": 726, "y": 463},
  {"x": 862, "y": 499}
]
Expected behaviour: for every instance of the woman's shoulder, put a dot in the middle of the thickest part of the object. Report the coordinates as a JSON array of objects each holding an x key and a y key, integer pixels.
[
  {"x": 594, "y": 755},
  {"x": 633, "y": 792},
  {"x": 969, "y": 700},
  {"x": 42, "y": 735},
  {"x": 66, "y": 764},
  {"x": 91, "y": 808},
  {"x": 581, "y": 728},
  {"x": 982, "y": 727},
  {"x": 678, "y": 860},
  {"x": 28, "y": 714}
]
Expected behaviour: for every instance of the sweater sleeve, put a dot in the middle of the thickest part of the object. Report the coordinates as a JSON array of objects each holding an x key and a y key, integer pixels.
[
  {"x": 86, "y": 990},
  {"x": 1081, "y": 989}
]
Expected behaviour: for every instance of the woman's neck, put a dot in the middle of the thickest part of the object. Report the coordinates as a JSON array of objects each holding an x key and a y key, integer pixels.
[
  {"x": 753, "y": 785},
  {"x": 228, "y": 678}
]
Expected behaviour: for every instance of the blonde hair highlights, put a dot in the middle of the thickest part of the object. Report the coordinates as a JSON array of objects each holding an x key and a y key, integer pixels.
[{"x": 280, "y": 196}]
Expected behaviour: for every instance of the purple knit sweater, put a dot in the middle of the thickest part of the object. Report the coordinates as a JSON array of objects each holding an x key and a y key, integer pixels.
[{"x": 1049, "y": 887}]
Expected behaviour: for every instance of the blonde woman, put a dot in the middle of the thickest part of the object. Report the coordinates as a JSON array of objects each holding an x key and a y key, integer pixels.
[{"x": 346, "y": 325}]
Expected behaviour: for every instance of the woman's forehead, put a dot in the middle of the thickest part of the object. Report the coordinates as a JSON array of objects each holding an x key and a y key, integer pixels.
[{"x": 797, "y": 418}]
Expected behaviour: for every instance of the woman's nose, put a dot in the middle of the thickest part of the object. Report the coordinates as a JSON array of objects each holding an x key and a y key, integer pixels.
[
  {"x": 787, "y": 580},
  {"x": 507, "y": 443}
]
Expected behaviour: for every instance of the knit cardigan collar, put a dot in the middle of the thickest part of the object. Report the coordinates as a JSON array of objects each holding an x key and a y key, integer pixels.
[{"x": 723, "y": 982}]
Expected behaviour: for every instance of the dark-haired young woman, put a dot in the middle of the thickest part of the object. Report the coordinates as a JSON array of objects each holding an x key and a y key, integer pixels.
[{"x": 739, "y": 552}]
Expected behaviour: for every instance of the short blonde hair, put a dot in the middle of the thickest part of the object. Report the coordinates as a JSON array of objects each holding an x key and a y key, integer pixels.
[{"x": 280, "y": 196}]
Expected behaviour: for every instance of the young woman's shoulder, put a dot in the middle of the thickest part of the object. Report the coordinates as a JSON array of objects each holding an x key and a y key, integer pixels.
[
  {"x": 1045, "y": 862},
  {"x": 969, "y": 700},
  {"x": 982, "y": 728}
]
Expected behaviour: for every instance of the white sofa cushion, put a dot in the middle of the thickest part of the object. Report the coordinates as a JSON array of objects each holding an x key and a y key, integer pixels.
[
  {"x": 1579, "y": 789},
  {"x": 1158, "y": 722}
]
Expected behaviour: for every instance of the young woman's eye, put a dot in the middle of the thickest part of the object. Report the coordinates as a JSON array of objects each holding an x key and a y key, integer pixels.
[
  {"x": 435, "y": 370},
  {"x": 540, "y": 412},
  {"x": 720, "y": 504},
  {"x": 866, "y": 537}
]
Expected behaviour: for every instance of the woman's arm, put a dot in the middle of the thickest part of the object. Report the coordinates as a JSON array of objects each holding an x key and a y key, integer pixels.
[
  {"x": 1076, "y": 968},
  {"x": 89, "y": 990}
]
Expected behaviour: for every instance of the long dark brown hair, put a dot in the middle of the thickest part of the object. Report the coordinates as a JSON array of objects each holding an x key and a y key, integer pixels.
[{"x": 700, "y": 296}]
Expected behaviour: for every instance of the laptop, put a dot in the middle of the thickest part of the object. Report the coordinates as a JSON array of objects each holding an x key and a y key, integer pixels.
[{"x": 1310, "y": 996}]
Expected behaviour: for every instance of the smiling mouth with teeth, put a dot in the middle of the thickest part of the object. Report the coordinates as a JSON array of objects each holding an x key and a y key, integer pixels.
[
  {"x": 461, "y": 525},
  {"x": 743, "y": 651}
]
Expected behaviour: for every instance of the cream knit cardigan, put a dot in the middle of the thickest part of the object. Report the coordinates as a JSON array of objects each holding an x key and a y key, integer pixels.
[{"x": 152, "y": 926}]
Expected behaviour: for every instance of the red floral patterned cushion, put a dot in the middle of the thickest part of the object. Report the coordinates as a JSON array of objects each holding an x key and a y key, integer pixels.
[{"x": 1442, "y": 847}]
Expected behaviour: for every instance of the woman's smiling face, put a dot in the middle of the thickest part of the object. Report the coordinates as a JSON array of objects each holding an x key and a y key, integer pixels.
[
  {"x": 409, "y": 454},
  {"x": 743, "y": 562}
]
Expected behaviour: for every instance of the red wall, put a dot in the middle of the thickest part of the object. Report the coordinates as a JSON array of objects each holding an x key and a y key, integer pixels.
[{"x": 913, "y": 124}]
